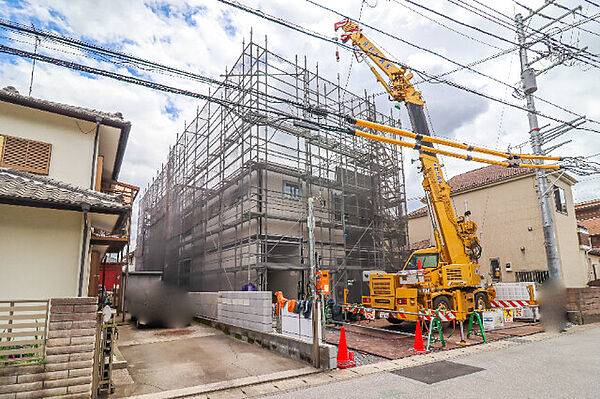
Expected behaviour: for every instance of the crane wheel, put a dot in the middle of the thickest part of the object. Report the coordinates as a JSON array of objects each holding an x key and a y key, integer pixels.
[
  {"x": 481, "y": 302},
  {"x": 441, "y": 303}
]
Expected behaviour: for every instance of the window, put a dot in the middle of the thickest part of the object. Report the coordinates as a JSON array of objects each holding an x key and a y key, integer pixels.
[
  {"x": 291, "y": 190},
  {"x": 428, "y": 261},
  {"x": 23, "y": 154},
  {"x": 560, "y": 199}
]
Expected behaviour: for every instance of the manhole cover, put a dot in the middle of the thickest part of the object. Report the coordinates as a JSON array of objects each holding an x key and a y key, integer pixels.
[{"x": 436, "y": 372}]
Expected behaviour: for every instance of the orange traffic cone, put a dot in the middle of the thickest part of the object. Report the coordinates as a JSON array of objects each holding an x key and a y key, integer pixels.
[
  {"x": 344, "y": 359},
  {"x": 419, "y": 347},
  {"x": 419, "y": 265}
]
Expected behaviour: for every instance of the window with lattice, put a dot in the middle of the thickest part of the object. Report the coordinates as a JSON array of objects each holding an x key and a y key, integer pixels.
[{"x": 24, "y": 154}]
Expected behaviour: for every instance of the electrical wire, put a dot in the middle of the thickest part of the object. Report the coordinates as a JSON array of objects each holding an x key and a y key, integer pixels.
[
  {"x": 300, "y": 29},
  {"x": 435, "y": 78},
  {"x": 482, "y": 30}
]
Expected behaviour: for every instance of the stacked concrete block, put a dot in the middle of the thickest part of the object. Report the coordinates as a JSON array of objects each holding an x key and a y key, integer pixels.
[
  {"x": 297, "y": 326},
  {"x": 247, "y": 309},
  {"x": 204, "y": 304},
  {"x": 67, "y": 369}
]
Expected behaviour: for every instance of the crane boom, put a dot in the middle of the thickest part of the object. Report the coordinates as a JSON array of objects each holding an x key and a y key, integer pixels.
[{"x": 456, "y": 238}]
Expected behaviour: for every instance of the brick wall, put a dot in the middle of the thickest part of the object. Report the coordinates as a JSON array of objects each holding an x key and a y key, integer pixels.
[
  {"x": 583, "y": 304},
  {"x": 68, "y": 368}
]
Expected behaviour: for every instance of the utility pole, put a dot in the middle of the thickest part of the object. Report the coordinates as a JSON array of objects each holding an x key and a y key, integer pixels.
[
  {"x": 310, "y": 221},
  {"x": 529, "y": 86},
  {"x": 538, "y": 137}
]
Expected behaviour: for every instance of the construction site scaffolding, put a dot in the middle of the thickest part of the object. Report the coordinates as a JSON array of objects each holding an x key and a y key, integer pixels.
[{"x": 229, "y": 206}]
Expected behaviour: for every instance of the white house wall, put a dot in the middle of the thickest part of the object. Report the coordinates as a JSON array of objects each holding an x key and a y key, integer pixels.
[
  {"x": 40, "y": 252},
  {"x": 72, "y": 140}
]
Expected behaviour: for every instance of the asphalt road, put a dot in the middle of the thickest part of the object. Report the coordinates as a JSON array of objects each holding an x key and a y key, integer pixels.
[{"x": 566, "y": 366}]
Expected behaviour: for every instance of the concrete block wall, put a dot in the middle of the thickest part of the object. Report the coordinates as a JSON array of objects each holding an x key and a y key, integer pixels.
[
  {"x": 583, "y": 305},
  {"x": 248, "y": 309},
  {"x": 68, "y": 367},
  {"x": 204, "y": 304}
]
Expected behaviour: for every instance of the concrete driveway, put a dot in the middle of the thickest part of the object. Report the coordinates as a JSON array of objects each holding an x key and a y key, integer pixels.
[{"x": 165, "y": 359}]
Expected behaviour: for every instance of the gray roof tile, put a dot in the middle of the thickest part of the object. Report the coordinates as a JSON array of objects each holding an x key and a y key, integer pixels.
[{"x": 18, "y": 186}]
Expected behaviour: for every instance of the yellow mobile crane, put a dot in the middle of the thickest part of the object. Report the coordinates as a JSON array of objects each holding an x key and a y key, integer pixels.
[{"x": 450, "y": 277}]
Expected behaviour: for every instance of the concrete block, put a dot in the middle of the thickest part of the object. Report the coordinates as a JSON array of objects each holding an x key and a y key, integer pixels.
[
  {"x": 79, "y": 388},
  {"x": 71, "y": 365},
  {"x": 58, "y": 350},
  {"x": 76, "y": 357},
  {"x": 74, "y": 301},
  {"x": 60, "y": 325},
  {"x": 61, "y": 309},
  {"x": 57, "y": 358},
  {"x": 29, "y": 386},
  {"x": 83, "y": 325},
  {"x": 68, "y": 382},
  {"x": 85, "y": 308},
  {"x": 72, "y": 316},
  {"x": 52, "y": 342},
  {"x": 90, "y": 339},
  {"x": 8, "y": 395},
  {"x": 44, "y": 393},
  {"x": 80, "y": 372},
  {"x": 21, "y": 369},
  {"x": 12, "y": 379}
]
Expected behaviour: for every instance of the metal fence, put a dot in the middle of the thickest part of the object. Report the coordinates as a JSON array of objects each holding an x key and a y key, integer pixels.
[
  {"x": 23, "y": 327},
  {"x": 539, "y": 276}
]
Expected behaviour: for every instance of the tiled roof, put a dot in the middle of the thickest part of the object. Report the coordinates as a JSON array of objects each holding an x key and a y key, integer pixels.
[
  {"x": 420, "y": 245},
  {"x": 586, "y": 204},
  {"x": 593, "y": 225},
  {"x": 10, "y": 94},
  {"x": 476, "y": 178},
  {"x": 18, "y": 187},
  {"x": 484, "y": 176},
  {"x": 417, "y": 213}
]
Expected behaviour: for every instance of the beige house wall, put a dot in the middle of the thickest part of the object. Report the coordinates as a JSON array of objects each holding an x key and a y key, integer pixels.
[
  {"x": 574, "y": 268},
  {"x": 40, "y": 252},
  {"x": 72, "y": 140},
  {"x": 420, "y": 229},
  {"x": 510, "y": 229}
]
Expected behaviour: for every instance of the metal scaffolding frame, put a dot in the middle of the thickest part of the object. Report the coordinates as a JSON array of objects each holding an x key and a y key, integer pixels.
[{"x": 229, "y": 205}]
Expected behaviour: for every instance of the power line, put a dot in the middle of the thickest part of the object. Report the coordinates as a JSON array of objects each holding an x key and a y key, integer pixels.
[
  {"x": 319, "y": 36},
  {"x": 132, "y": 60},
  {"x": 486, "y": 32},
  {"x": 442, "y": 25},
  {"x": 485, "y": 15},
  {"x": 443, "y": 57}
]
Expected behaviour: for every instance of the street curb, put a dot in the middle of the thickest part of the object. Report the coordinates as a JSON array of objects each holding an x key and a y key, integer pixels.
[{"x": 226, "y": 385}]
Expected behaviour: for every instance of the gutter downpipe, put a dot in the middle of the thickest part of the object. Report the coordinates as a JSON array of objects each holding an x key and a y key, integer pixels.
[
  {"x": 94, "y": 158},
  {"x": 85, "y": 208}
]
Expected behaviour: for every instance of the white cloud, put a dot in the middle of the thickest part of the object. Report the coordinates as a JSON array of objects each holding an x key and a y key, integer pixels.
[{"x": 206, "y": 37}]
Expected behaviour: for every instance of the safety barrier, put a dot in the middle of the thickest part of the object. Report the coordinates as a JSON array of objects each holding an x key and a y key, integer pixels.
[
  {"x": 424, "y": 314},
  {"x": 434, "y": 317}
]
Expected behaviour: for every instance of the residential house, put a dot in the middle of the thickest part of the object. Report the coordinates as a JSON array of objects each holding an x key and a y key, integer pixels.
[
  {"x": 61, "y": 205},
  {"x": 588, "y": 223},
  {"x": 504, "y": 204}
]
